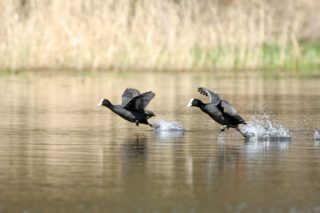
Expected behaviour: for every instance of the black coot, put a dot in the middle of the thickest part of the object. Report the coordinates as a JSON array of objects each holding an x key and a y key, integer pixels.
[
  {"x": 133, "y": 106},
  {"x": 219, "y": 110}
]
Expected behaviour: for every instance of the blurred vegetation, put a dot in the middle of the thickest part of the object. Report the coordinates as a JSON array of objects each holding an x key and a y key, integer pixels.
[
  {"x": 270, "y": 56},
  {"x": 161, "y": 35}
]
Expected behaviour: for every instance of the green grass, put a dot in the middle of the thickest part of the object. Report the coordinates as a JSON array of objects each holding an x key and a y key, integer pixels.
[
  {"x": 305, "y": 57},
  {"x": 7, "y": 71},
  {"x": 301, "y": 58}
]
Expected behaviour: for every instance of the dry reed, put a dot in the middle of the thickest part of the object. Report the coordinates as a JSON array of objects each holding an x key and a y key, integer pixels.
[{"x": 152, "y": 34}]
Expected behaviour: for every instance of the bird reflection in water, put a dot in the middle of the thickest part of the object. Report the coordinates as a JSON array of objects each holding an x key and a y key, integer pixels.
[
  {"x": 168, "y": 136},
  {"x": 135, "y": 147},
  {"x": 233, "y": 153}
]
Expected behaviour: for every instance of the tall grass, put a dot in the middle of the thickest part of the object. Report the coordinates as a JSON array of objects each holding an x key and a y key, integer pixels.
[{"x": 153, "y": 34}]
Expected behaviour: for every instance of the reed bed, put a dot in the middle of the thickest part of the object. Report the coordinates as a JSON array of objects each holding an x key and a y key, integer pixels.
[{"x": 153, "y": 34}]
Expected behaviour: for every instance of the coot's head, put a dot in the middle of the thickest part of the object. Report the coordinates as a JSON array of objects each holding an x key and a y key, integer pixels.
[
  {"x": 104, "y": 102},
  {"x": 194, "y": 102}
]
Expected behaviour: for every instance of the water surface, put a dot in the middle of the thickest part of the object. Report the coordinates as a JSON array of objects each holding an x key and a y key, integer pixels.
[{"x": 60, "y": 153}]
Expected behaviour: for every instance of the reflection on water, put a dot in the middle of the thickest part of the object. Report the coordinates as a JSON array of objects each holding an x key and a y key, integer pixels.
[
  {"x": 317, "y": 135},
  {"x": 135, "y": 148},
  {"x": 59, "y": 153},
  {"x": 169, "y": 136}
]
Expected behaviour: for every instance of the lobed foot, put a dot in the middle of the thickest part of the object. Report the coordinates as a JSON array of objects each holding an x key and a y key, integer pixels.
[{"x": 222, "y": 129}]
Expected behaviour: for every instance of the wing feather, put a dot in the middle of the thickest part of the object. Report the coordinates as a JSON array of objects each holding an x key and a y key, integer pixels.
[
  {"x": 140, "y": 102},
  {"x": 214, "y": 97},
  {"x": 228, "y": 108},
  {"x": 128, "y": 94}
]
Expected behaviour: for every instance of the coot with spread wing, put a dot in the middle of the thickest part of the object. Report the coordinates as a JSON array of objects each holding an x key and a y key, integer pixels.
[
  {"x": 133, "y": 106},
  {"x": 219, "y": 110}
]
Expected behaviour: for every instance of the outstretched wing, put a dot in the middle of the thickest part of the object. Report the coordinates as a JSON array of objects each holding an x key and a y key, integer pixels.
[
  {"x": 128, "y": 94},
  {"x": 214, "y": 97},
  {"x": 140, "y": 102},
  {"x": 228, "y": 108}
]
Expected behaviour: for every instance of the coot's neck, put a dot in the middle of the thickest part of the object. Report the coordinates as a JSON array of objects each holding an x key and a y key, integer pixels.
[
  {"x": 114, "y": 108},
  {"x": 200, "y": 104},
  {"x": 109, "y": 105}
]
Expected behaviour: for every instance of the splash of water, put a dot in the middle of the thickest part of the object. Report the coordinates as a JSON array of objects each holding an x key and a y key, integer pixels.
[
  {"x": 163, "y": 125},
  {"x": 317, "y": 135},
  {"x": 266, "y": 129}
]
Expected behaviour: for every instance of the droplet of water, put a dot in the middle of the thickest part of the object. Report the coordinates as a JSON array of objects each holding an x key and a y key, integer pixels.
[
  {"x": 163, "y": 125},
  {"x": 266, "y": 129},
  {"x": 317, "y": 135}
]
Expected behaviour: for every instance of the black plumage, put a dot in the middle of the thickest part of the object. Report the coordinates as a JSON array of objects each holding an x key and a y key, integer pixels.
[
  {"x": 218, "y": 109},
  {"x": 133, "y": 106}
]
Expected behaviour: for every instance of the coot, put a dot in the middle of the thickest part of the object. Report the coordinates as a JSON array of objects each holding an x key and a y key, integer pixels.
[
  {"x": 133, "y": 106},
  {"x": 219, "y": 110}
]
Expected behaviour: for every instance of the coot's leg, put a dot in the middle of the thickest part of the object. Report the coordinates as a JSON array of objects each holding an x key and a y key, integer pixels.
[
  {"x": 223, "y": 128},
  {"x": 137, "y": 123},
  {"x": 242, "y": 133},
  {"x": 146, "y": 122}
]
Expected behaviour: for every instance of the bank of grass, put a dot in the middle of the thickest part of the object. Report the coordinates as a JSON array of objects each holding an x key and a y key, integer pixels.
[
  {"x": 303, "y": 58},
  {"x": 272, "y": 59},
  {"x": 159, "y": 35}
]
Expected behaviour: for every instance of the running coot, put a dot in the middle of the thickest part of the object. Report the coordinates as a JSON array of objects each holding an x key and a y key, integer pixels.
[
  {"x": 219, "y": 110},
  {"x": 133, "y": 106}
]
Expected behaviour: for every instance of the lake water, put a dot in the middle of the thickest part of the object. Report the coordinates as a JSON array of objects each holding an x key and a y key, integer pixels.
[{"x": 61, "y": 153}]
